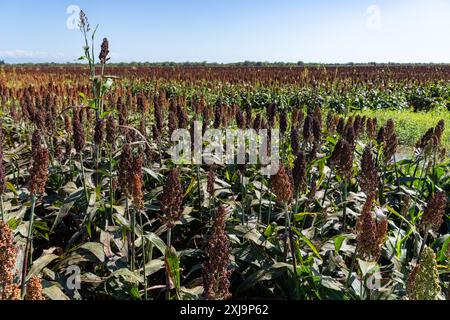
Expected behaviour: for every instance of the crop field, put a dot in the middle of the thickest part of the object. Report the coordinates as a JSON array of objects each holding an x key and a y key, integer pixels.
[{"x": 95, "y": 206}]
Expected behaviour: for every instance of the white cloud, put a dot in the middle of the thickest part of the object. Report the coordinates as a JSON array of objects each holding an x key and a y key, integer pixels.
[{"x": 21, "y": 54}]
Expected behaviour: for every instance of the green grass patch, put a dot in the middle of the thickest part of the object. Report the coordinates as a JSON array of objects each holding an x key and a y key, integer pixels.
[{"x": 412, "y": 125}]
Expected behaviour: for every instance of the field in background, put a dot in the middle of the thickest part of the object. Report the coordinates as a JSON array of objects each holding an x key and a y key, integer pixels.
[{"x": 358, "y": 210}]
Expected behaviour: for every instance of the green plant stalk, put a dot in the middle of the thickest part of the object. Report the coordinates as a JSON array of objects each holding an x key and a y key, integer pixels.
[
  {"x": 260, "y": 202},
  {"x": 244, "y": 198},
  {"x": 270, "y": 205},
  {"x": 17, "y": 173},
  {"x": 352, "y": 265},
  {"x": 328, "y": 186},
  {"x": 424, "y": 180},
  {"x": 83, "y": 177},
  {"x": 144, "y": 257},
  {"x": 111, "y": 191},
  {"x": 344, "y": 210},
  {"x": 96, "y": 163},
  {"x": 286, "y": 231},
  {"x": 381, "y": 191},
  {"x": 415, "y": 171},
  {"x": 27, "y": 246},
  {"x": 160, "y": 154},
  {"x": 199, "y": 193},
  {"x": 169, "y": 238},
  {"x": 396, "y": 174},
  {"x": 133, "y": 239},
  {"x": 294, "y": 259},
  {"x": 398, "y": 238}
]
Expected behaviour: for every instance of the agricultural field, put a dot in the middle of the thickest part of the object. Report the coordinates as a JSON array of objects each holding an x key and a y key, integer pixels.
[{"x": 95, "y": 207}]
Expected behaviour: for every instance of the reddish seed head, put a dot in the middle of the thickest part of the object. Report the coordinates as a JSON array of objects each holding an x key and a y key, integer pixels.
[
  {"x": 216, "y": 268},
  {"x": 281, "y": 186},
  {"x": 432, "y": 217},
  {"x": 172, "y": 199}
]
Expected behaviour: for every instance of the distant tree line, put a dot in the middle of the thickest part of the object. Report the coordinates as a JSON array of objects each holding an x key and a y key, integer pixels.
[{"x": 235, "y": 64}]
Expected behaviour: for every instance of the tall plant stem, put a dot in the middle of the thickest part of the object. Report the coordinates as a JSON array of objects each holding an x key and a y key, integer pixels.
[
  {"x": 415, "y": 172},
  {"x": 381, "y": 191},
  {"x": 169, "y": 238},
  {"x": 260, "y": 202},
  {"x": 133, "y": 239},
  {"x": 144, "y": 248},
  {"x": 287, "y": 231},
  {"x": 244, "y": 198},
  {"x": 270, "y": 205},
  {"x": 327, "y": 187},
  {"x": 83, "y": 177},
  {"x": 160, "y": 154},
  {"x": 352, "y": 265},
  {"x": 344, "y": 210},
  {"x": 424, "y": 180},
  {"x": 111, "y": 189},
  {"x": 396, "y": 174},
  {"x": 199, "y": 193},
  {"x": 97, "y": 160},
  {"x": 26, "y": 254}
]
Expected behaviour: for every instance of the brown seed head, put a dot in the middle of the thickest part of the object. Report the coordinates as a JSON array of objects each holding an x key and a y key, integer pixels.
[
  {"x": 125, "y": 169},
  {"x": 104, "y": 52},
  {"x": 216, "y": 268},
  {"x": 172, "y": 199},
  {"x": 8, "y": 254},
  {"x": 432, "y": 218},
  {"x": 368, "y": 176},
  {"x": 281, "y": 186},
  {"x": 371, "y": 233},
  {"x": 99, "y": 132},
  {"x": 210, "y": 183},
  {"x": 39, "y": 167},
  {"x": 299, "y": 173},
  {"x": 295, "y": 141},
  {"x": 111, "y": 130},
  {"x": 34, "y": 289}
]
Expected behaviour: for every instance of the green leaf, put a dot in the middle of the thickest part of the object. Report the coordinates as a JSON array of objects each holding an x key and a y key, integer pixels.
[
  {"x": 308, "y": 242},
  {"x": 11, "y": 188},
  {"x": 127, "y": 275},
  {"x": 156, "y": 241},
  {"x": 61, "y": 214},
  {"x": 153, "y": 174},
  {"x": 338, "y": 241},
  {"x": 106, "y": 85},
  {"x": 442, "y": 253},
  {"x": 367, "y": 267},
  {"x": 300, "y": 215},
  {"x": 40, "y": 264},
  {"x": 96, "y": 249},
  {"x": 173, "y": 269},
  {"x": 134, "y": 293},
  {"x": 191, "y": 186},
  {"x": 153, "y": 266},
  {"x": 53, "y": 291}
]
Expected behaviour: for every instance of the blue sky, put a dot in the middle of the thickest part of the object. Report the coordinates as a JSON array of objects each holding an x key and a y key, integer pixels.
[{"x": 232, "y": 30}]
